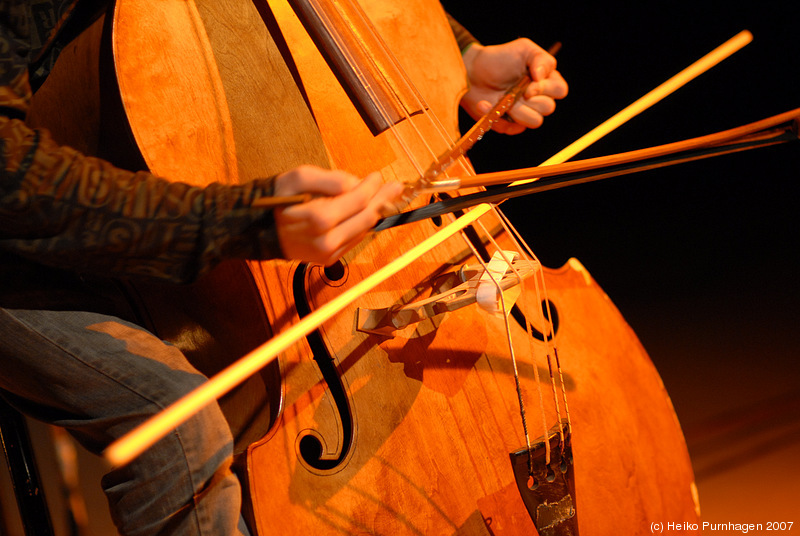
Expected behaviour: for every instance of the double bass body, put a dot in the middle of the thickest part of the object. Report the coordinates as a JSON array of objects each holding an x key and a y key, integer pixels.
[{"x": 407, "y": 431}]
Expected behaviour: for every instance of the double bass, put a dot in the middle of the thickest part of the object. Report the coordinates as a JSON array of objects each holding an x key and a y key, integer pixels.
[{"x": 423, "y": 408}]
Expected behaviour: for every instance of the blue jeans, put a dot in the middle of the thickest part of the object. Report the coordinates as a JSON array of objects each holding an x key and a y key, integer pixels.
[{"x": 98, "y": 377}]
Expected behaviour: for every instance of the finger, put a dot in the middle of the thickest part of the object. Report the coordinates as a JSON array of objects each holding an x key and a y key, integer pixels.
[
  {"x": 388, "y": 199},
  {"x": 540, "y": 104},
  {"x": 503, "y": 125},
  {"x": 510, "y": 128},
  {"x": 553, "y": 86},
  {"x": 346, "y": 235},
  {"x": 325, "y": 213},
  {"x": 351, "y": 231},
  {"x": 531, "y": 112},
  {"x": 315, "y": 180},
  {"x": 540, "y": 64}
]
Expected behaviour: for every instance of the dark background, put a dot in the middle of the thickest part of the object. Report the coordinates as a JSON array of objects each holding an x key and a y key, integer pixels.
[{"x": 702, "y": 258}]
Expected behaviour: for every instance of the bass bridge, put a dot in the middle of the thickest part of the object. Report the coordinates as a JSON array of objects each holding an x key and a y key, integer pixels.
[{"x": 479, "y": 284}]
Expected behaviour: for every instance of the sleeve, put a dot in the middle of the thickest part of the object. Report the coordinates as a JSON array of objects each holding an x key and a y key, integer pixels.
[
  {"x": 15, "y": 91},
  {"x": 61, "y": 208},
  {"x": 463, "y": 37}
]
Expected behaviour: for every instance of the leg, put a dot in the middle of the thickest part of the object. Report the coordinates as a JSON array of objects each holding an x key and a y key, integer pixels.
[{"x": 99, "y": 377}]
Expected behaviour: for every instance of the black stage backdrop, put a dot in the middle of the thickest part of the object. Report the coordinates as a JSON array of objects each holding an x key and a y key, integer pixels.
[{"x": 702, "y": 259}]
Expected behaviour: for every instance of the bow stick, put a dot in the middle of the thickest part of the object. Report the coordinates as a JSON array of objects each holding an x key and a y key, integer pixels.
[
  {"x": 129, "y": 446},
  {"x": 770, "y": 130},
  {"x": 778, "y": 129}
]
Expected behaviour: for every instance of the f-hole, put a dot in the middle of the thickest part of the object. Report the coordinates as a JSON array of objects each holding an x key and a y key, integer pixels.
[
  {"x": 548, "y": 307},
  {"x": 310, "y": 447}
]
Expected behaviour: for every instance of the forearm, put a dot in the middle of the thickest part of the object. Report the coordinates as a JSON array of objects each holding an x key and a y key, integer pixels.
[{"x": 60, "y": 208}]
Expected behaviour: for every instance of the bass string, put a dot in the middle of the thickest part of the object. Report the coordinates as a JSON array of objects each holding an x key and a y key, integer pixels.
[
  {"x": 516, "y": 238},
  {"x": 495, "y": 279},
  {"x": 539, "y": 295},
  {"x": 433, "y": 119},
  {"x": 547, "y": 324},
  {"x": 407, "y": 118}
]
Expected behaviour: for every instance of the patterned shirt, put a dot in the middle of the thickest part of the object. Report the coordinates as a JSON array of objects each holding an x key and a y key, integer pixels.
[
  {"x": 63, "y": 213},
  {"x": 61, "y": 208}
]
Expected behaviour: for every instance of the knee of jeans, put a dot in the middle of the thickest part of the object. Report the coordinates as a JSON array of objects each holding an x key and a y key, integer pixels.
[
  {"x": 203, "y": 439},
  {"x": 207, "y": 433},
  {"x": 170, "y": 476}
]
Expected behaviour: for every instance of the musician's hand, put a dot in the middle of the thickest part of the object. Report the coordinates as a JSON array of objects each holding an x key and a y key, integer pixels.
[
  {"x": 343, "y": 210},
  {"x": 492, "y": 70}
]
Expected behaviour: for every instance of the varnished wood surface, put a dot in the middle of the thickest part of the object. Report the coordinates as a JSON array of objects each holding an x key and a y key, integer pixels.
[{"x": 463, "y": 382}]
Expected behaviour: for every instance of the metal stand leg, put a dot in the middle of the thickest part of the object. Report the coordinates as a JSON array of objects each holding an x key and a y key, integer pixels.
[{"x": 24, "y": 474}]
